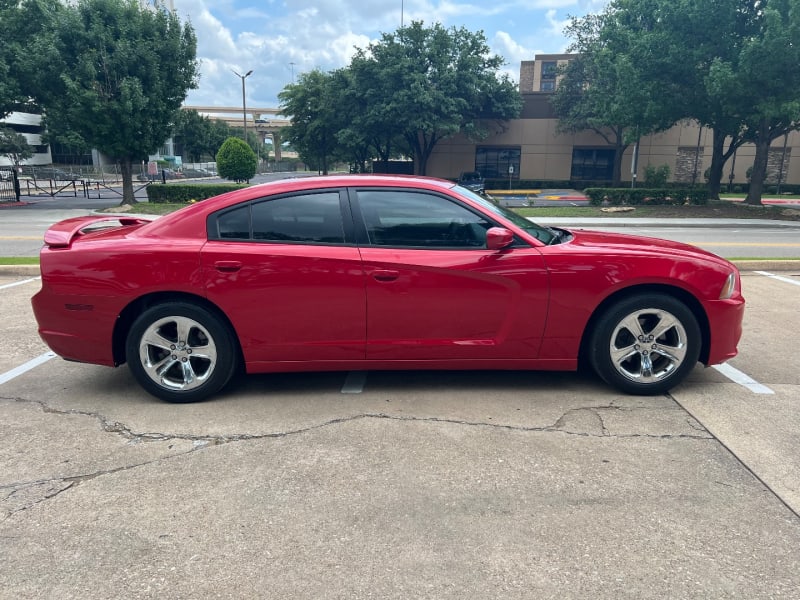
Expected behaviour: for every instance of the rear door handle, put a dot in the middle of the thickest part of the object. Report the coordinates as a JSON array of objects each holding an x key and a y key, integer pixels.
[
  {"x": 385, "y": 275},
  {"x": 227, "y": 266}
]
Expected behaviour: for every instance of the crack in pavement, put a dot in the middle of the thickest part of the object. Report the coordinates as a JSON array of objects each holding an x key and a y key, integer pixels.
[{"x": 203, "y": 441}]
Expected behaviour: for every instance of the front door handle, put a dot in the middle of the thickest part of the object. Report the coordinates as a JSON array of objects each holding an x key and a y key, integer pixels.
[
  {"x": 227, "y": 266},
  {"x": 385, "y": 275}
]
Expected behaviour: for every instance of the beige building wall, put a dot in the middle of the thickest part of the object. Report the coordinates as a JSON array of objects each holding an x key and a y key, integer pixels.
[{"x": 546, "y": 155}]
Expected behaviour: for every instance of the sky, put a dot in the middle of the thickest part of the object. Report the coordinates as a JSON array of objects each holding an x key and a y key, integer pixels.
[{"x": 280, "y": 39}]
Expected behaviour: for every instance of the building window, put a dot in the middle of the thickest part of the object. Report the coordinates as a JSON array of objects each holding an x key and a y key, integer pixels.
[
  {"x": 592, "y": 164},
  {"x": 494, "y": 162},
  {"x": 547, "y": 86},
  {"x": 549, "y": 70}
]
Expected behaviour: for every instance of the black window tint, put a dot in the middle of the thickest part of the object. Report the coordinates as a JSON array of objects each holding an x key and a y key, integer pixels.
[
  {"x": 418, "y": 219},
  {"x": 234, "y": 224},
  {"x": 303, "y": 218}
]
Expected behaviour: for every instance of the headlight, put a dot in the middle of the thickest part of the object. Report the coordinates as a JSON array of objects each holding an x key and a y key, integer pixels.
[{"x": 729, "y": 287}]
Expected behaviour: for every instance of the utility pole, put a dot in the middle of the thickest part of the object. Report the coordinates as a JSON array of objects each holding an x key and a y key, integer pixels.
[{"x": 244, "y": 102}]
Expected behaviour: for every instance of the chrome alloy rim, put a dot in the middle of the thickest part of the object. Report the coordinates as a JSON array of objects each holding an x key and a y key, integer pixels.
[
  {"x": 178, "y": 353},
  {"x": 648, "y": 345}
]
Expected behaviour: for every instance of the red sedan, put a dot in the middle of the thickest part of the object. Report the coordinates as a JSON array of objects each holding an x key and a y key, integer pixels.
[{"x": 376, "y": 272}]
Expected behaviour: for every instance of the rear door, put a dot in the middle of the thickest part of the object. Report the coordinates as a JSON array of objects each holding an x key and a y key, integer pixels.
[
  {"x": 287, "y": 273},
  {"x": 434, "y": 292}
]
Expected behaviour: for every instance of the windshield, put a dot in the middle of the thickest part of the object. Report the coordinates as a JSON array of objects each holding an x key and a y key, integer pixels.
[{"x": 543, "y": 234}]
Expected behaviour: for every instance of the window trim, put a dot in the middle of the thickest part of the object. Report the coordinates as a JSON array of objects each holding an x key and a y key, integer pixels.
[
  {"x": 212, "y": 221},
  {"x": 362, "y": 229}
]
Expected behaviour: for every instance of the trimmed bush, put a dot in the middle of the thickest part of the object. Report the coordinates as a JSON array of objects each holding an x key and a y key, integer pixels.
[
  {"x": 176, "y": 193},
  {"x": 656, "y": 177},
  {"x": 645, "y": 196},
  {"x": 236, "y": 160}
]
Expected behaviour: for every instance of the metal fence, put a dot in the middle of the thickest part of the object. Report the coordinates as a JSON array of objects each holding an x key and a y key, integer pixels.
[{"x": 9, "y": 186}]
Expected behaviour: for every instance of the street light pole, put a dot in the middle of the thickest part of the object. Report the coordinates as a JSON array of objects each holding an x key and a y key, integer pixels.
[{"x": 244, "y": 103}]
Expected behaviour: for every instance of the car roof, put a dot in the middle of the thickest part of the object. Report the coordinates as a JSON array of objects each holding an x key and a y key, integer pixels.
[{"x": 171, "y": 221}]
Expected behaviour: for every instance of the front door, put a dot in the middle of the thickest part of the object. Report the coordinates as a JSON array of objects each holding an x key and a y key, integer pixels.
[{"x": 434, "y": 292}]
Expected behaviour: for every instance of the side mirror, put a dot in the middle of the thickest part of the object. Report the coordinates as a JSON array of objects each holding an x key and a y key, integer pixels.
[{"x": 498, "y": 238}]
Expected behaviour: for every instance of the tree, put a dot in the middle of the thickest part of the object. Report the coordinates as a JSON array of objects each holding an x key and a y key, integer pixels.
[
  {"x": 315, "y": 108},
  {"x": 435, "y": 83},
  {"x": 370, "y": 129},
  {"x": 605, "y": 90},
  {"x": 14, "y": 146},
  {"x": 236, "y": 160},
  {"x": 732, "y": 66},
  {"x": 408, "y": 91},
  {"x": 116, "y": 75},
  {"x": 760, "y": 82},
  {"x": 673, "y": 48},
  {"x": 192, "y": 131},
  {"x": 20, "y": 23}
]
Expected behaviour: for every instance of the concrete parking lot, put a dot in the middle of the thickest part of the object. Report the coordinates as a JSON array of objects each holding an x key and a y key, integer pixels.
[{"x": 403, "y": 484}]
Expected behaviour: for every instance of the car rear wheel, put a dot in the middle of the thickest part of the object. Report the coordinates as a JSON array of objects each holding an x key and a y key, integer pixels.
[
  {"x": 645, "y": 344},
  {"x": 180, "y": 352}
]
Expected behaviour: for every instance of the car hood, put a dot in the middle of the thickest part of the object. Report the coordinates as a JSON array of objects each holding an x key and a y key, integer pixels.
[{"x": 602, "y": 241}]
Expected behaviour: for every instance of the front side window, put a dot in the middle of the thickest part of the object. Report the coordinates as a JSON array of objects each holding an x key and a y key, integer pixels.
[
  {"x": 400, "y": 218},
  {"x": 304, "y": 218}
]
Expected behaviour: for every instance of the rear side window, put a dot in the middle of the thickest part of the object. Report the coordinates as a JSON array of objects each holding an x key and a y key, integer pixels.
[{"x": 304, "y": 218}]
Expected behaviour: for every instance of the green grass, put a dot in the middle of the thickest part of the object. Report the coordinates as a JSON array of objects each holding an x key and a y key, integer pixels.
[
  {"x": 19, "y": 260},
  {"x": 151, "y": 208}
]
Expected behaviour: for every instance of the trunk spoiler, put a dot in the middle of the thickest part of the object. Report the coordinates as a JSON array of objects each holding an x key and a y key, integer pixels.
[{"x": 61, "y": 234}]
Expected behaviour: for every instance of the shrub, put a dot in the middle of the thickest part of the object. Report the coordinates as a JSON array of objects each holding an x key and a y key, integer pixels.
[
  {"x": 656, "y": 177},
  {"x": 176, "y": 193},
  {"x": 236, "y": 160},
  {"x": 645, "y": 196}
]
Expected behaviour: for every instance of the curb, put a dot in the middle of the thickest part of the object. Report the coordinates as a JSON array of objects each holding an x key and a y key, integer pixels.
[{"x": 611, "y": 221}]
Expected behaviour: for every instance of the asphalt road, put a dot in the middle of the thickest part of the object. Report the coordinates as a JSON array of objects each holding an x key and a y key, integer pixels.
[
  {"x": 22, "y": 227},
  {"x": 403, "y": 485}
]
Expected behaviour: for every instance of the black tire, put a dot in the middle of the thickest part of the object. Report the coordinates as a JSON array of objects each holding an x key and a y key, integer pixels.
[
  {"x": 646, "y": 344},
  {"x": 175, "y": 369}
]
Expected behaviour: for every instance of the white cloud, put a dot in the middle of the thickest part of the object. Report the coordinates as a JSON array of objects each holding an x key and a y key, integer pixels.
[{"x": 275, "y": 38}]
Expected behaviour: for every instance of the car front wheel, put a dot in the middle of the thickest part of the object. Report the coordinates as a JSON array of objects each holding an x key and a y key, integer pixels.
[
  {"x": 645, "y": 344},
  {"x": 180, "y": 352}
]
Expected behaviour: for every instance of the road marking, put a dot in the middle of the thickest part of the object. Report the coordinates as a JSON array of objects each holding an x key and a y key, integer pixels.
[
  {"x": 779, "y": 278},
  {"x": 10, "y": 285},
  {"x": 354, "y": 384},
  {"x": 34, "y": 238},
  {"x": 742, "y": 379},
  {"x": 16, "y": 372}
]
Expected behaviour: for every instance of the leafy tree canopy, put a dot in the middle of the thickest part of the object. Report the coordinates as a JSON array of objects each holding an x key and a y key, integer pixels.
[
  {"x": 646, "y": 64},
  {"x": 315, "y": 103},
  {"x": 14, "y": 145},
  {"x": 116, "y": 74},
  {"x": 409, "y": 90},
  {"x": 21, "y": 21}
]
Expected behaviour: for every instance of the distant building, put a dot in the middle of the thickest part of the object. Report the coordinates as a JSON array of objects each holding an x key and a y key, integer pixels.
[
  {"x": 30, "y": 126},
  {"x": 531, "y": 148}
]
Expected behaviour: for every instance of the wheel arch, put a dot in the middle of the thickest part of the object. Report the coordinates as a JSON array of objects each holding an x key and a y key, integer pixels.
[
  {"x": 678, "y": 293},
  {"x": 136, "y": 307}
]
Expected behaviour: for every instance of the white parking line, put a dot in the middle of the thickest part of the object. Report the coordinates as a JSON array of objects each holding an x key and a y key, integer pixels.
[
  {"x": 779, "y": 278},
  {"x": 354, "y": 384},
  {"x": 16, "y": 372},
  {"x": 742, "y": 379},
  {"x": 10, "y": 285}
]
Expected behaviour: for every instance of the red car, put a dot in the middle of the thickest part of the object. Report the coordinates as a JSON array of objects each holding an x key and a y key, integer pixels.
[{"x": 376, "y": 272}]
